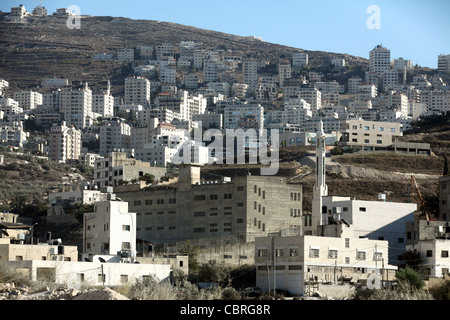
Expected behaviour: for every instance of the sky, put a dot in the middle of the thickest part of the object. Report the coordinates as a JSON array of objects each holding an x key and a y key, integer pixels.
[{"x": 417, "y": 30}]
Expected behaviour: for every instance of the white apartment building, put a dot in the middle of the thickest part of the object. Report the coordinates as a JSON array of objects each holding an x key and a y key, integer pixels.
[
  {"x": 114, "y": 135},
  {"x": 240, "y": 89},
  {"x": 444, "y": 62},
  {"x": 209, "y": 120},
  {"x": 137, "y": 91},
  {"x": 312, "y": 96},
  {"x": 10, "y": 107},
  {"x": 28, "y": 99},
  {"x": 366, "y": 92},
  {"x": 110, "y": 229},
  {"x": 338, "y": 62},
  {"x": 353, "y": 84},
  {"x": 291, "y": 262},
  {"x": 379, "y": 60},
  {"x": 76, "y": 106},
  {"x": 250, "y": 73},
  {"x": 198, "y": 57},
  {"x": 12, "y": 134},
  {"x": 103, "y": 56},
  {"x": 299, "y": 59},
  {"x": 125, "y": 54},
  {"x": 284, "y": 71},
  {"x": 103, "y": 103},
  {"x": 439, "y": 101},
  {"x": 3, "y": 85},
  {"x": 416, "y": 109},
  {"x": 19, "y": 11},
  {"x": 210, "y": 71},
  {"x": 390, "y": 79},
  {"x": 167, "y": 76},
  {"x": 64, "y": 143},
  {"x": 401, "y": 64},
  {"x": 296, "y": 111},
  {"x": 164, "y": 51},
  {"x": 145, "y": 51},
  {"x": 370, "y": 135},
  {"x": 220, "y": 88},
  {"x": 55, "y": 82},
  {"x": 246, "y": 116}
]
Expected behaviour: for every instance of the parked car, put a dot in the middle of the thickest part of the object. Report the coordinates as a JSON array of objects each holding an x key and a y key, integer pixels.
[{"x": 252, "y": 292}]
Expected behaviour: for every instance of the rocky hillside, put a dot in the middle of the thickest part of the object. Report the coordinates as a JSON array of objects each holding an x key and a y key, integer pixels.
[{"x": 43, "y": 47}]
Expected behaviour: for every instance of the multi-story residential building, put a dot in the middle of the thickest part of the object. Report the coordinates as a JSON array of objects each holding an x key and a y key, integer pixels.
[
  {"x": 312, "y": 96},
  {"x": 125, "y": 54},
  {"x": 220, "y": 88},
  {"x": 64, "y": 143},
  {"x": 145, "y": 52},
  {"x": 209, "y": 120},
  {"x": 296, "y": 111},
  {"x": 401, "y": 64},
  {"x": 338, "y": 62},
  {"x": 164, "y": 51},
  {"x": 245, "y": 116},
  {"x": 10, "y": 107},
  {"x": 439, "y": 101},
  {"x": 114, "y": 134},
  {"x": 116, "y": 169},
  {"x": 240, "y": 208},
  {"x": 290, "y": 262},
  {"x": 444, "y": 62},
  {"x": 76, "y": 106},
  {"x": 389, "y": 79},
  {"x": 3, "y": 85},
  {"x": 13, "y": 134},
  {"x": 379, "y": 60},
  {"x": 299, "y": 59},
  {"x": 265, "y": 91},
  {"x": 28, "y": 99},
  {"x": 167, "y": 76},
  {"x": 250, "y": 73},
  {"x": 429, "y": 242},
  {"x": 103, "y": 103},
  {"x": 353, "y": 84},
  {"x": 369, "y": 135},
  {"x": 240, "y": 89},
  {"x": 137, "y": 91},
  {"x": 210, "y": 71},
  {"x": 191, "y": 81},
  {"x": 284, "y": 71},
  {"x": 198, "y": 58}
]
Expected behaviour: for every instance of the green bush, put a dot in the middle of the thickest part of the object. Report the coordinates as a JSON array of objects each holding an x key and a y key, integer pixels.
[{"x": 411, "y": 276}]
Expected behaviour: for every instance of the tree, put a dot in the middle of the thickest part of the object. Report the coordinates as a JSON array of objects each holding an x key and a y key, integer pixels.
[
  {"x": 192, "y": 252},
  {"x": 411, "y": 276},
  {"x": 148, "y": 178}
]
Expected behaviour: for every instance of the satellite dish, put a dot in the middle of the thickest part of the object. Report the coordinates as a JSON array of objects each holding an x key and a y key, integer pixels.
[{"x": 101, "y": 259}]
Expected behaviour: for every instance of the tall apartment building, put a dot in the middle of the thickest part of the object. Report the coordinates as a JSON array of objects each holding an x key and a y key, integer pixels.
[
  {"x": 13, "y": 134},
  {"x": 245, "y": 116},
  {"x": 114, "y": 134},
  {"x": 312, "y": 96},
  {"x": 164, "y": 51},
  {"x": 125, "y": 54},
  {"x": 250, "y": 73},
  {"x": 137, "y": 91},
  {"x": 242, "y": 208},
  {"x": 401, "y": 64},
  {"x": 299, "y": 59},
  {"x": 390, "y": 79},
  {"x": 76, "y": 106},
  {"x": 210, "y": 71},
  {"x": 103, "y": 102},
  {"x": 64, "y": 143},
  {"x": 379, "y": 60},
  {"x": 296, "y": 111},
  {"x": 284, "y": 71},
  {"x": 353, "y": 84},
  {"x": 444, "y": 62},
  {"x": 28, "y": 99}
]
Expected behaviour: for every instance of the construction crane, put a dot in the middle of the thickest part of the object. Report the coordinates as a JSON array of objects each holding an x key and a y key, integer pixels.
[{"x": 415, "y": 189}]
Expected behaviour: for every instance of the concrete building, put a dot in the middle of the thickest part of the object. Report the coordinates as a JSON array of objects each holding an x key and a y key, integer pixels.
[
  {"x": 401, "y": 64},
  {"x": 284, "y": 71},
  {"x": 296, "y": 111},
  {"x": 55, "y": 82},
  {"x": 444, "y": 198},
  {"x": 114, "y": 134},
  {"x": 299, "y": 59},
  {"x": 116, "y": 169},
  {"x": 244, "y": 117},
  {"x": 429, "y": 242},
  {"x": 312, "y": 96},
  {"x": 103, "y": 102},
  {"x": 250, "y": 73},
  {"x": 64, "y": 143},
  {"x": 369, "y": 135},
  {"x": 28, "y": 99},
  {"x": 13, "y": 134},
  {"x": 379, "y": 60},
  {"x": 76, "y": 106},
  {"x": 353, "y": 84},
  {"x": 292, "y": 263},
  {"x": 237, "y": 209},
  {"x": 444, "y": 62},
  {"x": 137, "y": 91},
  {"x": 164, "y": 51},
  {"x": 338, "y": 62},
  {"x": 210, "y": 71},
  {"x": 125, "y": 54}
]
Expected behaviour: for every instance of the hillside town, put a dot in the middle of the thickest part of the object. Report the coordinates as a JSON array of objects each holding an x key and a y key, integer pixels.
[{"x": 185, "y": 107}]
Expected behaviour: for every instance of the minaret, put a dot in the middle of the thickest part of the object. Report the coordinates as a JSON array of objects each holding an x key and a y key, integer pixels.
[
  {"x": 320, "y": 188},
  {"x": 108, "y": 88}
]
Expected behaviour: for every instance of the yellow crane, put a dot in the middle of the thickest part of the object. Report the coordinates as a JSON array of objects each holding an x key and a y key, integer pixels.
[{"x": 415, "y": 189}]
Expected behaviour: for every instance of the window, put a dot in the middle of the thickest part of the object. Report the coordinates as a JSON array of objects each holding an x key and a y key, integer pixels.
[
  {"x": 199, "y": 230},
  {"x": 401, "y": 240},
  {"x": 347, "y": 242},
  {"x": 332, "y": 253},
  {"x": 366, "y": 128},
  {"x": 314, "y": 252},
  {"x": 101, "y": 278},
  {"x": 137, "y": 203},
  {"x": 263, "y": 252},
  {"x": 148, "y": 202},
  {"x": 378, "y": 256},
  {"x": 444, "y": 254},
  {"x": 295, "y": 267},
  {"x": 126, "y": 227},
  {"x": 227, "y": 196},
  {"x": 362, "y": 209},
  {"x": 199, "y": 214},
  {"x": 160, "y": 201},
  {"x": 126, "y": 246},
  {"x": 80, "y": 277},
  {"x": 279, "y": 252},
  {"x": 347, "y": 260},
  {"x": 360, "y": 255},
  {"x": 392, "y": 129},
  {"x": 429, "y": 253},
  {"x": 240, "y": 188},
  {"x": 213, "y": 197},
  {"x": 199, "y": 198}
]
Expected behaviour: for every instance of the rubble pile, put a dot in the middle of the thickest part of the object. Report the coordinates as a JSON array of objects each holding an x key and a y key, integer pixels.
[{"x": 8, "y": 291}]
